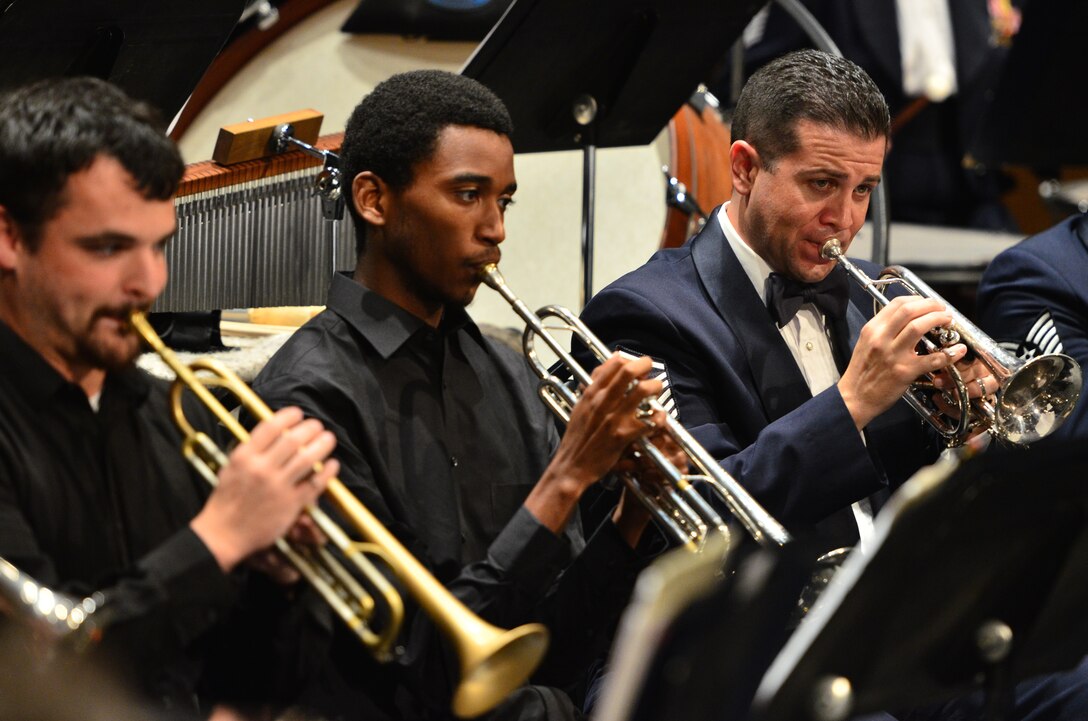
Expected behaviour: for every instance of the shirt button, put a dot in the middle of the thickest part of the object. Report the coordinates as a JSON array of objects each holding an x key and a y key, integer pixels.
[
  {"x": 808, "y": 346},
  {"x": 453, "y": 461}
]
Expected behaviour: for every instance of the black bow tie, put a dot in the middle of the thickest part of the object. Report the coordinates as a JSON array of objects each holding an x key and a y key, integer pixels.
[{"x": 785, "y": 296}]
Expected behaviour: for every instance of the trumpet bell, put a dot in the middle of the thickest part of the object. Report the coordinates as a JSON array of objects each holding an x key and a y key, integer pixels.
[
  {"x": 1037, "y": 398},
  {"x": 494, "y": 669}
]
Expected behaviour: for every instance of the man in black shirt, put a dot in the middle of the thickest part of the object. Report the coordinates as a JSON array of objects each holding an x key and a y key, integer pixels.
[
  {"x": 94, "y": 494},
  {"x": 439, "y": 429}
]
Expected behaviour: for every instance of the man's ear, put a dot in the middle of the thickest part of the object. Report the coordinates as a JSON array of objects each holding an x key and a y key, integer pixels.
[
  {"x": 10, "y": 240},
  {"x": 371, "y": 195},
  {"x": 744, "y": 164}
]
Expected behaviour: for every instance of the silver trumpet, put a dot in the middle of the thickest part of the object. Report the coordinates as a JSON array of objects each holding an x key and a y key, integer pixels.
[
  {"x": 674, "y": 503},
  {"x": 55, "y": 616},
  {"x": 1033, "y": 399}
]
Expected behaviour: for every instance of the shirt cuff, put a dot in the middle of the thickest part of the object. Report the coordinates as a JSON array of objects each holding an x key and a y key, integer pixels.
[
  {"x": 529, "y": 554},
  {"x": 192, "y": 584}
]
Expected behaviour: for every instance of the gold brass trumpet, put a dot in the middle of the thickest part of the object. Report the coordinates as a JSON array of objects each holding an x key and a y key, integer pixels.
[
  {"x": 493, "y": 661},
  {"x": 675, "y": 504},
  {"x": 1034, "y": 397}
]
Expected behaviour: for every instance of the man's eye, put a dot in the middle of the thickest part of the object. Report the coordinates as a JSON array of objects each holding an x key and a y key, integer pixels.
[
  {"x": 505, "y": 203},
  {"x": 105, "y": 250},
  {"x": 821, "y": 183},
  {"x": 864, "y": 190},
  {"x": 468, "y": 195}
]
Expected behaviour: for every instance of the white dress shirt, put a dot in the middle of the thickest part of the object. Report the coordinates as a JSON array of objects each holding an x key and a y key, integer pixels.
[{"x": 807, "y": 338}]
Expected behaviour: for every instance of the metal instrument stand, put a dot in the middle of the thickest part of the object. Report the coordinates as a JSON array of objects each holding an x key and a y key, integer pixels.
[
  {"x": 328, "y": 183},
  {"x": 582, "y": 76},
  {"x": 973, "y": 583}
]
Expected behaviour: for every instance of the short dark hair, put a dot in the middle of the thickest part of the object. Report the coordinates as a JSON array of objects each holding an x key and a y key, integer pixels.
[
  {"x": 53, "y": 128},
  {"x": 397, "y": 125},
  {"x": 807, "y": 85}
]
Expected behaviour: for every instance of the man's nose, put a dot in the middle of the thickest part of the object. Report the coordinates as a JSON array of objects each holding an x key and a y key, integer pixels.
[
  {"x": 145, "y": 275},
  {"x": 493, "y": 226}
]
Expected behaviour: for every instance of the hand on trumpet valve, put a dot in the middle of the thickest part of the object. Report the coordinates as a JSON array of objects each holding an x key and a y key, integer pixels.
[
  {"x": 887, "y": 360},
  {"x": 606, "y": 420},
  {"x": 267, "y": 483},
  {"x": 631, "y": 516},
  {"x": 275, "y": 565}
]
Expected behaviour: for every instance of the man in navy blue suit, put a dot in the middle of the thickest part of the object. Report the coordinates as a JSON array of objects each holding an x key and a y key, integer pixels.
[
  {"x": 1033, "y": 299},
  {"x": 807, "y": 425},
  {"x": 771, "y": 357}
]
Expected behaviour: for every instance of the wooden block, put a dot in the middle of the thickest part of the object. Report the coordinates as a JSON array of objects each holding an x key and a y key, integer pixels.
[{"x": 249, "y": 140}]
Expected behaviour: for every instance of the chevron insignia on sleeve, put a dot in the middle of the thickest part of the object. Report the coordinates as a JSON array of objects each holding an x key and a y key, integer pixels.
[
  {"x": 1041, "y": 338},
  {"x": 658, "y": 371}
]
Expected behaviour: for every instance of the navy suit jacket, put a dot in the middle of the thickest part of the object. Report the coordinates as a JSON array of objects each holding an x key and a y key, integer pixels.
[
  {"x": 738, "y": 389},
  {"x": 1034, "y": 299}
]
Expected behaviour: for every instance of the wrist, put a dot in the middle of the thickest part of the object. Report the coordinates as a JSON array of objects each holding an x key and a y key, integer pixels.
[
  {"x": 857, "y": 409},
  {"x": 226, "y": 552},
  {"x": 554, "y": 498}
]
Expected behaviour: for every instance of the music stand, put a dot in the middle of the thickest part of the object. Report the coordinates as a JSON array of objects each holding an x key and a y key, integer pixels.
[
  {"x": 976, "y": 573},
  {"x": 601, "y": 74},
  {"x": 694, "y": 642},
  {"x": 154, "y": 51}
]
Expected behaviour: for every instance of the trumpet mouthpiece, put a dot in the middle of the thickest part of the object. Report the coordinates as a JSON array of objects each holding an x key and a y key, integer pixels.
[
  {"x": 831, "y": 249},
  {"x": 490, "y": 275}
]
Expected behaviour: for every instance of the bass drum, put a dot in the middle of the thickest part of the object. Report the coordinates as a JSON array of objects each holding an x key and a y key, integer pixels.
[{"x": 698, "y": 169}]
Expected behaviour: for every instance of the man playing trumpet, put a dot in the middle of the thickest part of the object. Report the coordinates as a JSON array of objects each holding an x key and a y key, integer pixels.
[
  {"x": 776, "y": 361},
  {"x": 440, "y": 431},
  {"x": 94, "y": 493}
]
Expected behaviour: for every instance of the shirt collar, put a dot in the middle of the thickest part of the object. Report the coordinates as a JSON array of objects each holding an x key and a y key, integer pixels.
[
  {"x": 754, "y": 266},
  {"x": 384, "y": 324},
  {"x": 40, "y": 382}
]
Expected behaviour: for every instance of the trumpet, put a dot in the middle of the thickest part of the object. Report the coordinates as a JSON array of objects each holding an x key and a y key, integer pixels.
[
  {"x": 56, "y": 616},
  {"x": 493, "y": 661},
  {"x": 674, "y": 503},
  {"x": 1034, "y": 397}
]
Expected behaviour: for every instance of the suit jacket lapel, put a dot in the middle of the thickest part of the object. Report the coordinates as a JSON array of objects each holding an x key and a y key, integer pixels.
[{"x": 774, "y": 371}]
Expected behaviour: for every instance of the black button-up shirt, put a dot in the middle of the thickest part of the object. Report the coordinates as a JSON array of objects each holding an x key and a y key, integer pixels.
[
  {"x": 442, "y": 436},
  {"x": 101, "y": 501}
]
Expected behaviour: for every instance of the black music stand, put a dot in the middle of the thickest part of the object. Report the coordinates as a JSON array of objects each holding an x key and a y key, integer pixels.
[
  {"x": 977, "y": 573},
  {"x": 1037, "y": 116},
  {"x": 154, "y": 51},
  {"x": 694, "y": 642},
  {"x": 601, "y": 74}
]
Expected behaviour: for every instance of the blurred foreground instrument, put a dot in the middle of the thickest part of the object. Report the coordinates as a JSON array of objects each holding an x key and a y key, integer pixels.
[
  {"x": 493, "y": 661},
  {"x": 1034, "y": 397},
  {"x": 674, "y": 503},
  {"x": 56, "y": 616}
]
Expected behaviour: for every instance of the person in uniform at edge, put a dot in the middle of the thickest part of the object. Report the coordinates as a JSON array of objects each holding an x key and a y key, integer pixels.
[
  {"x": 94, "y": 492},
  {"x": 1033, "y": 299},
  {"x": 772, "y": 356},
  {"x": 441, "y": 433}
]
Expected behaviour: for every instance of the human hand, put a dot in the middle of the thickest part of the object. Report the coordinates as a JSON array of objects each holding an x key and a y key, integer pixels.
[
  {"x": 607, "y": 419},
  {"x": 630, "y": 515},
  {"x": 264, "y": 487},
  {"x": 603, "y": 424},
  {"x": 979, "y": 383},
  {"x": 275, "y": 565},
  {"x": 886, "y": 361}
]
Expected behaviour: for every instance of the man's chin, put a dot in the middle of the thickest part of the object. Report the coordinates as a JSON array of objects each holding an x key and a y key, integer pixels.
[{"x": 115, "y": 355}]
